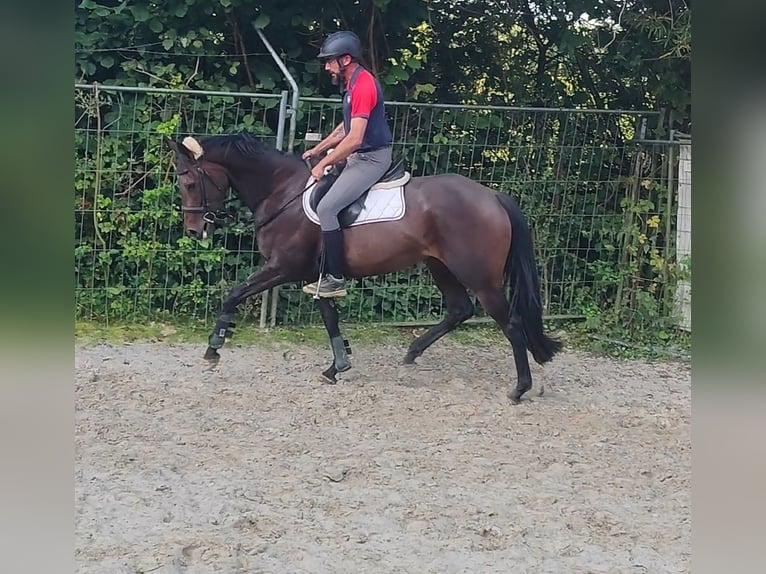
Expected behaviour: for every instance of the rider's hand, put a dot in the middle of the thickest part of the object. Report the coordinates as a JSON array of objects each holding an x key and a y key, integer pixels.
[
  {"x": 317, "y": 172},
  {"x": 309, "y": 153}
]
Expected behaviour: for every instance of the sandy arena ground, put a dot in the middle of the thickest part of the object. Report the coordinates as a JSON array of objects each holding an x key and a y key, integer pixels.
[{"x": 258, "y": 467}]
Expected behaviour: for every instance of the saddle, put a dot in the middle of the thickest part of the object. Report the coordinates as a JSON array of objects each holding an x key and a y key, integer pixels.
[{"x": 348, "y": 214}]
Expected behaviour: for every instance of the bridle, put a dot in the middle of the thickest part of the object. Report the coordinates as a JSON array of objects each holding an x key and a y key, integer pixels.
[
  {"x": 209, "y": 215},
  {"x": 213, "y": 216}
]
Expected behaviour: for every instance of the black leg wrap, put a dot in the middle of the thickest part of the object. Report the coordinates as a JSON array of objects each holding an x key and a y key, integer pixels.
[
  {"x": 339, "y": 351},
  {"x": 222, "y": 331}
]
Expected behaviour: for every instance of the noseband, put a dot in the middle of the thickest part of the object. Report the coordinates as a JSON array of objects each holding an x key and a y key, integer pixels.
[{"x": 209, "y": 215}]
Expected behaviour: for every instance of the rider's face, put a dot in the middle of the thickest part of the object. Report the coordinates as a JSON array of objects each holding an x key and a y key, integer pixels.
[{"x": 332, "y": 66}]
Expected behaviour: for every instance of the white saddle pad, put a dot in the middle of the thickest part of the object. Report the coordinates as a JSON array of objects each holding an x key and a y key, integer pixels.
[{"x": 385, "y": 202}]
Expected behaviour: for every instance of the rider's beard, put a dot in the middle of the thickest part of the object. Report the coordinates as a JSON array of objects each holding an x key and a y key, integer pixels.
[{"x": 335, "y": 78}]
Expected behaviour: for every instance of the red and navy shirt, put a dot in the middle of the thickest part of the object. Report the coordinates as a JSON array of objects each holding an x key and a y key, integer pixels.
[{"x": 363, "y": 98}]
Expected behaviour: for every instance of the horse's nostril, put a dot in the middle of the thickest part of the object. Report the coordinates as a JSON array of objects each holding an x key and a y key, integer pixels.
[{"x": 193, "y": 232}]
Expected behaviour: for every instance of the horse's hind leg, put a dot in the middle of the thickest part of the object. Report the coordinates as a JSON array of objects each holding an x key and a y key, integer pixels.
[
  {"x": 496, "y": 304},
  {"x": 340, "y": 348},
  {"x": 459, "y": 308}
]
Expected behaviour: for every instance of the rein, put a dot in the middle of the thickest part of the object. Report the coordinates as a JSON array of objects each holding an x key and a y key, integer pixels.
[{"x": 284, "y": 206}]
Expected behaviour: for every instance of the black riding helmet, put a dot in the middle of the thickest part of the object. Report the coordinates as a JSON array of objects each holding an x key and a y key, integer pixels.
[{"x": 339, "y": 44}]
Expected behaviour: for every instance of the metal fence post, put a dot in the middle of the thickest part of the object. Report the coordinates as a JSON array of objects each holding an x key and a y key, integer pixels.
[
  {"x": 290, "y": 140},
  {"x": 279, "y": 145}
]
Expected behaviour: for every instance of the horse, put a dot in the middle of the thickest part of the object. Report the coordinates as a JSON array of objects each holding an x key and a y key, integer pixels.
[{"x": 470, "y": 237}]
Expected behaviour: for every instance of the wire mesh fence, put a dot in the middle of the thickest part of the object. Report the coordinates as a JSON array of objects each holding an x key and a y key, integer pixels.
[
  {"x": 131, "y": 257},
  {"x": 598, "y": 196}
]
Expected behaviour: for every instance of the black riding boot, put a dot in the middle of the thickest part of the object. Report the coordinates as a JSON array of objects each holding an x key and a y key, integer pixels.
[{"x": 332, "y": 283}]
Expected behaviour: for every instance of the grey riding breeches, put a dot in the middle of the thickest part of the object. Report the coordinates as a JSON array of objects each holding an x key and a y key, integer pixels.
[{"x": 362, "y": 170}]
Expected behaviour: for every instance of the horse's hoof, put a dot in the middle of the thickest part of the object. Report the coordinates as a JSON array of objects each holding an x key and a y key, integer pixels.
[
  {"x": 409, "y": 359},
  {"x": 212, "y": 357},
  {"x": 328, "y": 377}
]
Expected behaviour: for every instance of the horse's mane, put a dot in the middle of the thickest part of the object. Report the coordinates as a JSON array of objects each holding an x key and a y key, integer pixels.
[{"x": 244, "y": 142}]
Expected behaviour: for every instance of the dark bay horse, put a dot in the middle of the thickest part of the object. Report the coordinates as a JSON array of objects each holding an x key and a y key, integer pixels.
[{"x": 469, "y": 236}]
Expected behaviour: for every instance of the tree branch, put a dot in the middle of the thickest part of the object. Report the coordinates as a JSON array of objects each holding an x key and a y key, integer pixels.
[
  {"x": 588, "y": 80},
  {"x": 239, "y": 45},
  {"x": 528, "y": 20},
  {"x": 371, "y": 40}
]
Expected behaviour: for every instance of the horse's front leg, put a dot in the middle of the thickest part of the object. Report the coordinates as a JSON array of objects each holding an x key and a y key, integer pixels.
[
  {"x": 270, "y": 275},
  {"x": 340, "y": 347}
]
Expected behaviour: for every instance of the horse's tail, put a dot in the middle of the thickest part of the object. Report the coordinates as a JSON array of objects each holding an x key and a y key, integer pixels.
[{"x": 521, "y": 270}]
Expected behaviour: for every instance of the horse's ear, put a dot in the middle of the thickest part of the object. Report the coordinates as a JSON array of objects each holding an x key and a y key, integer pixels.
[
  {"x": 193, "y": 147},
  {"x": 179, "y": 148},
  {"x": 169, "y": 143},
  {"x": 189, "y": 147}
]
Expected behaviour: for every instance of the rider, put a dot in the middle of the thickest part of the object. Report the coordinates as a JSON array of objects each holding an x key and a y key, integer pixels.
[{"x": 363, "y": 139}]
